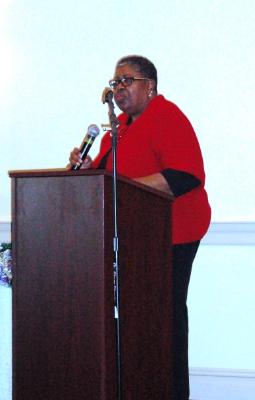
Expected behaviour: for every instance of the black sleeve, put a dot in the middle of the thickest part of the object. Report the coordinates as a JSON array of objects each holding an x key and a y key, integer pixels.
[{"x": 180, "y": 182}]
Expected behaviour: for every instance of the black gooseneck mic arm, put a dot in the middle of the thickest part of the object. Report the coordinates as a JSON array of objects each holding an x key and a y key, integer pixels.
[{"x": 108, "y": 98}]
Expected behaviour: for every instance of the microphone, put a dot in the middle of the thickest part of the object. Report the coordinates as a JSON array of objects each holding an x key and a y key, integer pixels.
[
  {"x": 92, "y": 133},
  {"x": 107, "y": 95}
]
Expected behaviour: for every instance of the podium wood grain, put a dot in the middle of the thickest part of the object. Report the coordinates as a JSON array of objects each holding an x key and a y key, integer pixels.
[{"x": 63, "y": 319}]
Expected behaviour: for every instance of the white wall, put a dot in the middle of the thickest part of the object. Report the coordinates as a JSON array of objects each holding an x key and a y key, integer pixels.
[
  {"x": 221, "y": 308},
  {"x": 57, "y": 56}
]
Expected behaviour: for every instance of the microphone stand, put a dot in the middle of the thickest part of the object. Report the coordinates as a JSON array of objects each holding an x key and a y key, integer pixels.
[{"x": 114, "y": 124}]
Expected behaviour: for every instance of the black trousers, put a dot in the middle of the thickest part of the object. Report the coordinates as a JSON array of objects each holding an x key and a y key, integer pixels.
[{"x": 183, "y": 257}]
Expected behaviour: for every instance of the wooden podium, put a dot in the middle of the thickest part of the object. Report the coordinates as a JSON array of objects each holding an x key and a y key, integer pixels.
[{"x": 63, "y": 310}]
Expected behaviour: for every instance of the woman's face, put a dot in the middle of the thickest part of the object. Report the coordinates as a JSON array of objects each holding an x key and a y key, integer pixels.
[{"x": 132, "y": 99}]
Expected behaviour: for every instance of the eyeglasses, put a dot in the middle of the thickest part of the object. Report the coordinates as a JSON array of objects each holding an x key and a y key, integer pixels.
[{"x": 125, "y": 81}]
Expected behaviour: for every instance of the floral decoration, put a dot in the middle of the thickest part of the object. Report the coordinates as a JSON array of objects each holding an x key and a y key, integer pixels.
[{"x": 5, "y": 264}]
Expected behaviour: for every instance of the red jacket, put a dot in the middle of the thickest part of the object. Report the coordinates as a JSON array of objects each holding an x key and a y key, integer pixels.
[{"x": 162, "y": 138}]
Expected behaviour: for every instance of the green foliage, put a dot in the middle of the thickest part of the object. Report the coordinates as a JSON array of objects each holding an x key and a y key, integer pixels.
[{"x": 5, "y": 246}]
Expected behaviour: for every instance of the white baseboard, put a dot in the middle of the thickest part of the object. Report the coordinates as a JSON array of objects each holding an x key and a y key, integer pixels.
[{"x": 221, "y": 384}]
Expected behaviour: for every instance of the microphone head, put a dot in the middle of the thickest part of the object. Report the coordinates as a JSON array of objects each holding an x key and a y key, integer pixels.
[
  {"x": 107, "y": 95},
  {"x": 93, "y": 130}
]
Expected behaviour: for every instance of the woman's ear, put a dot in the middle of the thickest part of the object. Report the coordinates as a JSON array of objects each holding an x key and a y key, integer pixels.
[{"x": 152, "y": 88}]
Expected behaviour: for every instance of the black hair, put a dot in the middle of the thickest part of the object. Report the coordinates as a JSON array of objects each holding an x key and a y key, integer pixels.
[{"x": 141, "y": 64}]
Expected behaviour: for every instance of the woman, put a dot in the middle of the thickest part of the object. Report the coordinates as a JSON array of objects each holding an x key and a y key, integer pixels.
[{"x": 166, "y": 156}]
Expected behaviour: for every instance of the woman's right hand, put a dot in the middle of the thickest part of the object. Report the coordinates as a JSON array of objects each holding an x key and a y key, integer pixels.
[{"x": 75, "y": 159}]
